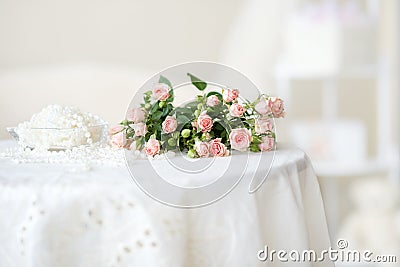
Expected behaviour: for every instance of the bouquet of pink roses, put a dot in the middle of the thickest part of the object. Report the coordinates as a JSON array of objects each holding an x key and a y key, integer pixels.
[{"x": 211, "y": 125}]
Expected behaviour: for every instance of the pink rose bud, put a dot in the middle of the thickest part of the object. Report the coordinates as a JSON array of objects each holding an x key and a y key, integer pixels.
[
  {"x": 262, "y": 107},
  {"x": 275, "y": 104},
  {"x": 140, "y": 129},
  {"x": 267, "y": 143},
  {"x": 169, "y": 125},
  {"x": 202, "y": 149},
  {"x": 152, "y": 147},
  {"x": 136, "y": 115},
  {"x": 263, "y": 125},
  {"x": 117, "y": 140},
  {"x": 204, "y": 122},
  {"x": 161, "y": 91},
  {"x": 212, "y": 101},
  {"x": 240, "y": 139},
  {"x": 236, "y": 110},
  {"x": 217, "y": 148},
  {"x": 230, "y": 95}
]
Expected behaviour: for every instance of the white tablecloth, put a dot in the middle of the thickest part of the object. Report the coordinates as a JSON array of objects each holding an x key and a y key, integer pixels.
[{"x": 68, "y": 215}]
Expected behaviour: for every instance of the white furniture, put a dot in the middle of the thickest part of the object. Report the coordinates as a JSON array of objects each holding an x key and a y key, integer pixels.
[
  {"x": 73, "y": 215},
  {"x": 329, "y": 51}
]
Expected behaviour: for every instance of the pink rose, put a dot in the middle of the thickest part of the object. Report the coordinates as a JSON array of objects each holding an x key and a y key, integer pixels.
[
  {"x": 140, "y": 128},
  {"x": 267, "y": 143},
  {"x": 275, "y": 104},
  {"x": 263, "y": 125},
  {"x": 202, "y": 149},
  {"x": 136, "y": 115},
  {"x": 236, "y": 110},
  {"x": 118, "y": 140},
  {"x": 217, "y": 148},
  {"x": 152, "y": 147},
  {"x": 212, "y": 101},
  {"x": 230, "y": 95},
  {"x": 262, "y": 107},
  {"x": 161, "y": 91},
  {"x": 116, "y": 129},
  {"x": 169, "y": 125},
  {"x": 204, "y": 122},
  {"x": 240, "y": 139}
]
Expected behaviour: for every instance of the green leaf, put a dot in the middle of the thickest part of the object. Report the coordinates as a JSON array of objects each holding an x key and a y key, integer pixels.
[
  {"x": 256, "y": 141},
  {"x": 219, "y": 127},
  {"x": 201, "y": 85},
  {"x": 165, "y": 80},
  {"x": 192, "y": 105},
  {"x": 171, "y": 96},
  {"x": 183, "y": 111},
  {"x": 155, "y": 107},
  {"x": 157, "y": 115},
  {"x": 147, "y": 136},
  {"x": 158, "y": 127},
  {"x": 182, "y": 119},
  {"x": 254, "y": 148},
  {"x": 166, "y": 111}
]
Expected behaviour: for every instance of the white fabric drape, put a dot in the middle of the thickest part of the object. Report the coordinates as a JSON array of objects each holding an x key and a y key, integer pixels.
[{"x": 66, "y": 215}]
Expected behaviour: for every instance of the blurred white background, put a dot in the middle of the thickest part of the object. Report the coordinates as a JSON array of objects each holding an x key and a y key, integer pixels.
[{"x": 335, "y": 62}]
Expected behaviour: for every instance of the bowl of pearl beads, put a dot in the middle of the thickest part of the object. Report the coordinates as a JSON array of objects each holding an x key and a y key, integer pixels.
[{"x": 60, "y": 128}]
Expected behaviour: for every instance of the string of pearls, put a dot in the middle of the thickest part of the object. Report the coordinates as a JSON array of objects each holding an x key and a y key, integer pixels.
[{"x": 86, "y": 155}]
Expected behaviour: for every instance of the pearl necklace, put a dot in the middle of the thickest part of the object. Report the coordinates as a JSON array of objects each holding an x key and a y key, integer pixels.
[{"x": 87, "y": 155}]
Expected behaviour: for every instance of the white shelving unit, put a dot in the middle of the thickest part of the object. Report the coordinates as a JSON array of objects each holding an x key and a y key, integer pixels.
[
  {"x": 286, "y": 73},
  {"x": 285, "y": 76}
]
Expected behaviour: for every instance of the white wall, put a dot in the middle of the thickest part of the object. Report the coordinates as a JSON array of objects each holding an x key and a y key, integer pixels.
[
  {"x": 152, "y": 34},
  {"x": 94, "y": 54}
]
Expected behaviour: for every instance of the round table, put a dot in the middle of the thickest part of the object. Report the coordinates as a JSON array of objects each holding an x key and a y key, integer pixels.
[{"x": 75, "y": 215}]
